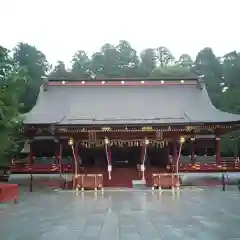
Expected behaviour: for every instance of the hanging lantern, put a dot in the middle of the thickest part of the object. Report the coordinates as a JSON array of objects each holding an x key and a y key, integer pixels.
[
  {"x": 182, "y": 140},
  {"x": 146, "y": 141},
  {"x": 106, "y": 141},
  {"x": 70, "y": 142}
]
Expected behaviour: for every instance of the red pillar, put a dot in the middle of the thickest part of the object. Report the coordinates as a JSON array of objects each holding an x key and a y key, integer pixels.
[
  {"x": 193, "y": 160},
  {"x": 109, "y": 154},
  {"x": 57, "y": 152},
  {"x": 142, "y": 153},
  {"x": 175, "y": 152},
  {"x": 170, "y": 159},
  {"x": 30, "y": 155},
  {"x": 217, "y": 144}
]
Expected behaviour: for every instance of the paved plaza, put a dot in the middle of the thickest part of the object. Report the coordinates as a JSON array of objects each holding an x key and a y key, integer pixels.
[{"x": 192, "y": 214}]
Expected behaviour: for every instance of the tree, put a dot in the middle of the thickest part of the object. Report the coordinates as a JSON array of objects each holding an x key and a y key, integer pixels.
[
  {"x": 185, "y": 60},
  {"x": 115, "y": 61},
  {"x": 128, "y": 59},
  {"x": 165, "y": 57},
  {"x": 60, "y": 71},
  {"x": 97, "y": 64},
  {"x": 172, "y": 71},
  {"x": 207, "y": 64},
  {"x": 231, "y": 69},
  {"x": 36, "y": 65},
  {"x": 148, "y": 62},
  {"x": 110, "y": 61},
  {"x": 80, "y": 65},
  {"x": 230, "y": 99},
  {"x": 12, "y": 86}
]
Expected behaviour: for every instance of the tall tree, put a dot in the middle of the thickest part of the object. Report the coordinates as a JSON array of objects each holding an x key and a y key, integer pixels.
[
  {"x": 12, "y": 86},
  {"x": 128, "y": 59},
  {"x": 185, "y": 60},
  {"x": 35, "y": 62},
  {"x": 60, "y": 71},
  {"x": 148, "y": 62},
  {"x": 231, "y": 69},
  {"x": 80, "y": 65},
  {"x": 97, "y": 64},
  {"x": 115, "y": 61},
  {"x": 111, "y": 64},
  {"x": 165, "y": 57},
  {"x": 207, "y": 64}
]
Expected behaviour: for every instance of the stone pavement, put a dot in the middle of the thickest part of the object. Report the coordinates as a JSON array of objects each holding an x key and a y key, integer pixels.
[{"x": 206, "y": 214}]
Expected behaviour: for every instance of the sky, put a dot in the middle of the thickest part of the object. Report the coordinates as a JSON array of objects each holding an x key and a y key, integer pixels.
[{"x": 61, "y": 27}]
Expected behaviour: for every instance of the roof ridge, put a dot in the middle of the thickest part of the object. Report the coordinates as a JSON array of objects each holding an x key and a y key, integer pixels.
[
  {"x": 190, "y": 78},
  {"x": 120, "y": 119}
]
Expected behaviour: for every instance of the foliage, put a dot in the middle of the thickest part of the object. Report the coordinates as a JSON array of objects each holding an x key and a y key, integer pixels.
[
  {"x": 173, "y": 71},
  {"x": 12, "y": 86},
  {"x": 35, "y": 64}
]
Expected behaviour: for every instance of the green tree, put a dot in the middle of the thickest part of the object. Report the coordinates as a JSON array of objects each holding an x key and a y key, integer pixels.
[
  {"x": 110, "y": 61},
  {"x": 115, "y": 61},
  {"x": 148, "y": 62},
  {"x": 36, "y": 65},
  {"x": 208, "y": 64},
  {"x": 80, "y": 65},
  {"x": 172, "y": 71},
  {"x": 128, "y": 59},
  {"x": 97, "y": 64},
  {"x": 185, "y": 60},
  {"x": 12, "y": 86},
  {"x": 165, "y": 57},
  {"x": 60, "y": 71},
  {"x": 231, "y": 69}
]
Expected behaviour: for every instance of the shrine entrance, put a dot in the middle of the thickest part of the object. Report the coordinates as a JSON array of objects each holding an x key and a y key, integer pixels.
[{"x": 123, "y": 157}]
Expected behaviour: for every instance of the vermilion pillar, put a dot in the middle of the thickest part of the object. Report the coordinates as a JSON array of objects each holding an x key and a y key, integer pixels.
[
  {"x": 217, "y": 144},
  {"x": 30, "y": 155},
  {"x": 142, "y": 153},
  {"x": 57, "y": 152},
  {"x": 193, "y": 160}
]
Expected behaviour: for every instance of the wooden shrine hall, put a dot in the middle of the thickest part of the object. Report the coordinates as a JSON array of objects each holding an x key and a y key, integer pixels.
[{"x": 125, "y": 129}]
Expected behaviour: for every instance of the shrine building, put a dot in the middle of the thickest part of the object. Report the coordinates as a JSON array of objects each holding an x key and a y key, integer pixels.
[{"x": 126, "y": 129}]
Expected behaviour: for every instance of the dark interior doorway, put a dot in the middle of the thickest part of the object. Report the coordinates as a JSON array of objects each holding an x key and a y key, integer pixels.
[
  {"x": 125, "y": 156},
  {"x": 158, "y": 157}
]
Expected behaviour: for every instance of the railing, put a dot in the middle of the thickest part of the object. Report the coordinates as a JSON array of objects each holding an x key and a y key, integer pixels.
[{"x": 230, "y": 162}]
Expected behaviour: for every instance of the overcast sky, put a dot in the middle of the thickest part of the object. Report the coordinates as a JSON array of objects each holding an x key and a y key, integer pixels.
[{"x": 60, "y": 27}]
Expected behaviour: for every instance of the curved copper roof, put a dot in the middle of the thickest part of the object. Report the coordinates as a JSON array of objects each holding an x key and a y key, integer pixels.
[{"x": 126, "y": 102}]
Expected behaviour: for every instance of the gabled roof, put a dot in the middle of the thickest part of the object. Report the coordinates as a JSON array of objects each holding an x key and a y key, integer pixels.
[{"x": 128, "y": 101}]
